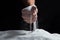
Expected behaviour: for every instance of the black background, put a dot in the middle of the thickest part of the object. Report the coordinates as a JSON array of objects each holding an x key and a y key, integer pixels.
[{"x": 48, "y": 15}]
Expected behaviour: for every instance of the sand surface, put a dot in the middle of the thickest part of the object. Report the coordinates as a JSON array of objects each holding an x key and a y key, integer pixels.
[{"x": 38, "y": 34}]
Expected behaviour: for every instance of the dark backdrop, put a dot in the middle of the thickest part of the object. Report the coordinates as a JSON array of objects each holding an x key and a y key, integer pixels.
[{"x": 48, "y": 15}]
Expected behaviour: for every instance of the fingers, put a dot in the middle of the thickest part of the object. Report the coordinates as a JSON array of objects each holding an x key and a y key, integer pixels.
[
  {"x": 26, "y": 13},
  {"x": 30, "y": 19}
]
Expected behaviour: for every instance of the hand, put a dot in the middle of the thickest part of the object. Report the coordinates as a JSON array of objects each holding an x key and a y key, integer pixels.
[{"x": 30, "y": 16}]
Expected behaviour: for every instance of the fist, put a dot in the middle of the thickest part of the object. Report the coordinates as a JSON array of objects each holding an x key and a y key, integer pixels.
[{"x": 29, "y": 15}]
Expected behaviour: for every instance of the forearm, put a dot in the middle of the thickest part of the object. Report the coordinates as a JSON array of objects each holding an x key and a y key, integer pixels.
[{"x": 28, "y": 2}]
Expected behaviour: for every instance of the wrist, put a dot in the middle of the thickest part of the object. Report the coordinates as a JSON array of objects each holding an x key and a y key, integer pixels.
[{"x": 28, "y": 2}]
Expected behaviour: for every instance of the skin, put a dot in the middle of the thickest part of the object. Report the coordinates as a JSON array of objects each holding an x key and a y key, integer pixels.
[
  {"x": 28, "y": 2},
  {"x": 26, "y": 14}
]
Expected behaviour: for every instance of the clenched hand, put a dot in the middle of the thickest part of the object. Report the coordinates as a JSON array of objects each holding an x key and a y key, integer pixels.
[{"x": 30, "y": 16}]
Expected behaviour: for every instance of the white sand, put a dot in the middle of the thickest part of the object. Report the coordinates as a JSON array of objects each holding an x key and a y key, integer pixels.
[{"x": 38, "y": 34}]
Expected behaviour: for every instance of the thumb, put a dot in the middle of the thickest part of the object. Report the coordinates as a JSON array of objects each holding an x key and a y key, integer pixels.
[{"x": 33, "y": 9}]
